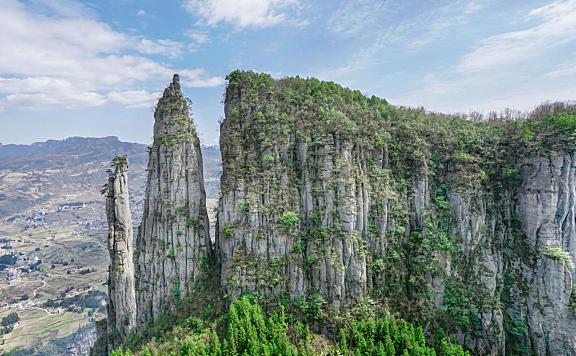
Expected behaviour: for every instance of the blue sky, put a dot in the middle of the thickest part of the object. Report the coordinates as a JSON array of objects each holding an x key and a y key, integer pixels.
[{"x": 95, "y": 68}]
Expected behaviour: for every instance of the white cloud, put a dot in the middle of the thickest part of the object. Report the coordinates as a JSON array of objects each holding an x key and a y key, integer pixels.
[
  {"x": 134, "y": 98},
  {"x": 354, "y": 17},
  {"x": 472, "y": 7},
  {"x": 245, "y": 13},
  {"x": 198, "y": 37},
  {"x": 62, "y": 8},
  {"x": 377, "y": 28},
  {"x": 45, "y": 92},
  {"x": 141, "y": 13},
  {"x": 557, "y": 25},
  {"x": 196, "y": 78},
  {"x": 39, "y": 84},
  {"x": 54, "y": 100},
  {"x": 168, "y": 48},
  {"x": 562, "y": 71},
  {"x": 516, "y": 69},
  {"x": 73, "y": 60}
]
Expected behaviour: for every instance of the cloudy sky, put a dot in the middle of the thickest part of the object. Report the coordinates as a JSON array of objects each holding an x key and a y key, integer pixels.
[{"x": 96, "y": 68}]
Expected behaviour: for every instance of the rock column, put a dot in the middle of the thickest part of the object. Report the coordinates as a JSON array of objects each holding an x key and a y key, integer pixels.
[
  {"x": 121, "y": 296},
  {"x": 173, "y": 246}
]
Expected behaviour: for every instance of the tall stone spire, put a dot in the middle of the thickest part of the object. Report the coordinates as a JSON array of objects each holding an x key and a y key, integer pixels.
[
  {"x": 121, "y": 294},
  {"x": 174, "y": 239}
]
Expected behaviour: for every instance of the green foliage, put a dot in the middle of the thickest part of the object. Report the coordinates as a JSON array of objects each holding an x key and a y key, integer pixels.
[
  {"x": 246, "y": 330},
  {"x": 229, "y": 231},
  {"x": 249, "y": 332},
  {"x": 440, "y": 223},
  {"x": 565, "y": 122},
  {"x": 176, "y": 289},
  {"x": 171, "y": 253},
  {"x": 528, "y": 134},
  {"x": 299, "y": 246},
  {"x": 390, "y": 337},
  {"x": 269, "y": 159},
  {"x": 559, "y": 254},
  {"x": 179, "y": 233},
  {"x": 185, "y": 132},
  {"x": 290, "y": 219},
  {"x": 191, "y": 222},
  {"x": 120, "y": 161},
  {"x": 378, "y": 264},
  {"x": 311, "y": 307},
  {"x": 512, "y": 175},
  {"x": 519, "y": 328},
  {"x": 457, "y": 305},
  {"x": 10, "y": 319}
]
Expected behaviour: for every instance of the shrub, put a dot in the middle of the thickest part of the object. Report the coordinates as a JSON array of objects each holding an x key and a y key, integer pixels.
[
  {"x": 229, "y": 231},
  {"x": 10, "y": 319},
  {"x": 176, "y": 289},
  {"x": 290, "y": 219},
  {"x": 557, "y": 253},
  {"x": 191, "y": 222},
  {"x": 518, "y": 328},
  {"x": 269, "y": 159}
]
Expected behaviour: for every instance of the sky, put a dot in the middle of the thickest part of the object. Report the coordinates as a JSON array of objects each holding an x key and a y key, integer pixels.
[{"x": 96, "y": 68}]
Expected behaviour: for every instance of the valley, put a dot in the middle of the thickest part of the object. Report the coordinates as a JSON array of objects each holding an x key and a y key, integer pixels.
[{"x": 53, "y": 256}]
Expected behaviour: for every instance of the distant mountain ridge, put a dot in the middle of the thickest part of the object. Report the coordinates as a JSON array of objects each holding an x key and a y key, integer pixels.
[
  {"x": 81, "y": 150},
  {"x": 32, "y": 173}
]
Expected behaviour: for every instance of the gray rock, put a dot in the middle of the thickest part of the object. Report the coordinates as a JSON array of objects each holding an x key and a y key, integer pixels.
[
  {"x": 121, "y": 296},
  {"x": 174, "y": 240}
]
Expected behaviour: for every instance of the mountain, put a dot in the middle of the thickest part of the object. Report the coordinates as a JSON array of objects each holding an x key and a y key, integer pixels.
[
  {"x": 33, "y": 174},
  {"x": 347, "y": 225}
]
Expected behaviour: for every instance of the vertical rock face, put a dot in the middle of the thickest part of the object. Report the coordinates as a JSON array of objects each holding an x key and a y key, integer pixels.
[
  {"x": 174, "y": 241},
  {"x": 546, "y": 203},
  {"x": 334, "y": 201},
  {"x": 121, "y": 297}
]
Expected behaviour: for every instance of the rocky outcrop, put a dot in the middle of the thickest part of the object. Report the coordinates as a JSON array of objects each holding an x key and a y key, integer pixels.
[
  {"x": 80, "y": 343},
  {"x": 334, "y": 201},
  {"x": 173, "y": 244},
  {"x": 121, "y": 295}
]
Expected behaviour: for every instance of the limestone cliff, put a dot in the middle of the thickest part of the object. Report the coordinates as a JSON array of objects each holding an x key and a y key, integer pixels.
[
  {"x": 334, "y": 200},
  {"x": 173, "y": 243},
  {"x": 121, "y": 297},
  {"x": 341, "y": 206}
]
